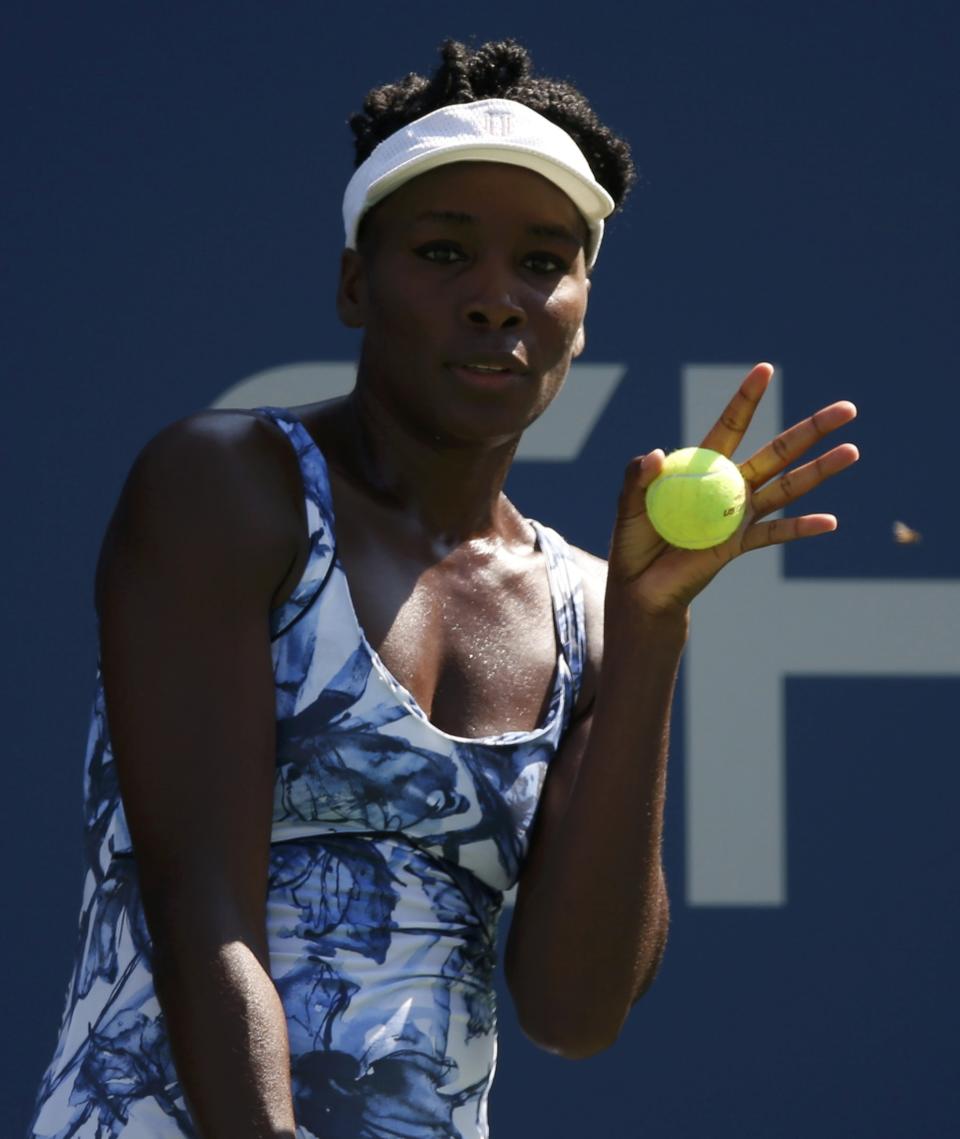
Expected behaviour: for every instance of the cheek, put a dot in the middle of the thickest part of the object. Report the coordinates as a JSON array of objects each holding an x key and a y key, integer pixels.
[
  {"x": 565, "y": 309},
  {"x": 401, "y": 312}
]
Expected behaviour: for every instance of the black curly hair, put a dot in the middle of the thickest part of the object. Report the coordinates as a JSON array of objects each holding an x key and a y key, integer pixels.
[{"x": 498, "y": 70}]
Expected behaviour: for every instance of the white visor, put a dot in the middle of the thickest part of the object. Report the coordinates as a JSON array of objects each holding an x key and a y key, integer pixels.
[{"x": 489, "y": 130}]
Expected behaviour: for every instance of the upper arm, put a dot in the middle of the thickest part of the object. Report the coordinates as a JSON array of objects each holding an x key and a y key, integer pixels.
[
  {"x": 566, "y": 763},
  {"x": 196, "y": 547},
  {"x": 563, "y": 769}
]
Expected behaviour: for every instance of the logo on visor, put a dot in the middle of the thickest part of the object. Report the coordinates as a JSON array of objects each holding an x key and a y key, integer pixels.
[{"x": 498, "y": 123}]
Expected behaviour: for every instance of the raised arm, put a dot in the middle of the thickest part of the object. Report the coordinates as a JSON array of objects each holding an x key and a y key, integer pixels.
[
  {"x": 197, "y": 547},
  {"x": 591, "y": 916}
]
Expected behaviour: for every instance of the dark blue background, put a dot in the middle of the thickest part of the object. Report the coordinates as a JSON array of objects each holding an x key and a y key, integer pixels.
[{"x": 172, "y": 182}]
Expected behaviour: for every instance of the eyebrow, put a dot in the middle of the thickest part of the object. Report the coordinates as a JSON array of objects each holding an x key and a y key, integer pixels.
[{"x": 538, "y": 229}]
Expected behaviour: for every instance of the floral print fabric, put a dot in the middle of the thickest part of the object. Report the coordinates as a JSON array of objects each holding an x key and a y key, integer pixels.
[{"x": 392, "y": 844}]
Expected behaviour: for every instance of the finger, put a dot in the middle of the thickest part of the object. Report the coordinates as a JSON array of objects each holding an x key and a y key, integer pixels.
[
  {"x": 635, "y": 542},
  {"x": 789, "y": 445},
  {"x": 640, "y": 473},
  {"x": 792, "y": 485},
  {"x": 782, "y": 530},
  {"x": 727, "y": 432}
]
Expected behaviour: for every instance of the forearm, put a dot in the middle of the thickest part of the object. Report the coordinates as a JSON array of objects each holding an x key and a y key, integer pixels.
[
  {"x": 589, "y": 934},
  {"x": 228, "y": 1035}
]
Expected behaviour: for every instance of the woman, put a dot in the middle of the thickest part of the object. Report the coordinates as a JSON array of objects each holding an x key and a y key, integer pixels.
[{"x": 340, "y": 673}]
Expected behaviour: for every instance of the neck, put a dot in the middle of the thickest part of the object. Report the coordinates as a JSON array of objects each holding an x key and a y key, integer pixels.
[{"x": 450, "y": 493}]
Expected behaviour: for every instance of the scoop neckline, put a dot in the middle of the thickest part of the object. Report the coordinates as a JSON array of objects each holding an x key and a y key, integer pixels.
[{"x": 557, "y": 688}]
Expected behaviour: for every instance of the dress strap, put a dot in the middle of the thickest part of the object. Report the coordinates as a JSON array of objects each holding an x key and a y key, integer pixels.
[
  {"x": 566, "y": 587},
  {"x": 319, "y": 509}
]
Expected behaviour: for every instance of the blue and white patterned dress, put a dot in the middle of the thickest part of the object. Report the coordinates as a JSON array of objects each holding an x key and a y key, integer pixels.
[{"x": 392, "y": 844}]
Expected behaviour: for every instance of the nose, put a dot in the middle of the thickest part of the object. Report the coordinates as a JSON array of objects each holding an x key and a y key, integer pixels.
[{"x": 491, "y": 303}]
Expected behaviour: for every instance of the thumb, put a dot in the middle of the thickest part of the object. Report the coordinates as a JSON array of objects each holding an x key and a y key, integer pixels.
[
  {"x": 639, "y": 474},
  {"x": 635, "y": 543}
]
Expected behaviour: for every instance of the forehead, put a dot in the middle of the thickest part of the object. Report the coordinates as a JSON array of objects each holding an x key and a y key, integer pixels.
[{"x": 488, "y": 191}]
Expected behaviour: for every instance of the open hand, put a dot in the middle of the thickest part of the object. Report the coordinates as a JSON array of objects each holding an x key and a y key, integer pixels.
[{"x": 664, "y": 577}]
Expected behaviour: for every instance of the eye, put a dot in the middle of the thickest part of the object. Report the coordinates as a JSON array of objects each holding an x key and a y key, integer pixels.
[
  {"x": 546, "y": 263},
  {"x": 441, "y": 252}
]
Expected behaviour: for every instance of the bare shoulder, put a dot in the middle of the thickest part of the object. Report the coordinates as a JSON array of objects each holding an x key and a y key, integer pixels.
[
  {"x": 222, "y": 438},
  {"x": 213, "y": 483},
  {"x": 593, "y": 573}
]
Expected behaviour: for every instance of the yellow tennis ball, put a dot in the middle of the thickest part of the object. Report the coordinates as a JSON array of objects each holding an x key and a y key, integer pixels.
[{"x": 698, "y": 498}]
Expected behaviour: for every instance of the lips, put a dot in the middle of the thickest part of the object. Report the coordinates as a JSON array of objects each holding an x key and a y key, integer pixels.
[
  {"x": 489, "y": 379},
  {"x": 489, "y": 371},
  {"x": 492, "y": 364}
]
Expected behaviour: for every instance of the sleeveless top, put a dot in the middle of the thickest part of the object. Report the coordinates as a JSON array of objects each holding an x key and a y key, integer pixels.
[{"x": 392, "y": 843}]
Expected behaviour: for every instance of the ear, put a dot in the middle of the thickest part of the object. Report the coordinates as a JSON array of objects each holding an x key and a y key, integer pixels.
[{"x": 351, "y": 290}]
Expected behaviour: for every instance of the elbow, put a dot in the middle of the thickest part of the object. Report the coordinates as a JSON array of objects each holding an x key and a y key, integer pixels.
[
  {"x": 579, "y": 1033},
  {"x": 571, "y": 1045},
  {"x": 572, "y": 1038},
  {"x": 583, "y": 1024}
]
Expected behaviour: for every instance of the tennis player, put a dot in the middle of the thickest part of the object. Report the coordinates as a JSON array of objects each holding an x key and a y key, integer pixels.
[{"x": 348, "y": 694}]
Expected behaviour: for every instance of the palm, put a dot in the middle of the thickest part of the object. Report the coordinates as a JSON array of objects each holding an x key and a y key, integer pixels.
[{"x": 666, "y": 577}]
